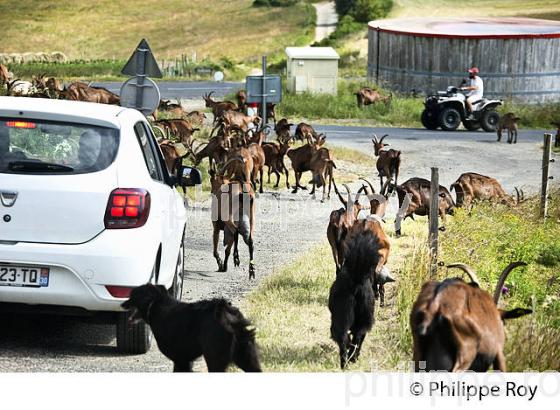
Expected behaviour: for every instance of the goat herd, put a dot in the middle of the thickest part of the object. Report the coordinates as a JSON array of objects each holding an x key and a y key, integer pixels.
[{"x": 455, "y": 324}]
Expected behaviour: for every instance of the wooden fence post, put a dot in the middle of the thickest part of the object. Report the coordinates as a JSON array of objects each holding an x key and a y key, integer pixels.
[
  {"x": 434, "y": 214},
  {"x": 545, "y": 171}
]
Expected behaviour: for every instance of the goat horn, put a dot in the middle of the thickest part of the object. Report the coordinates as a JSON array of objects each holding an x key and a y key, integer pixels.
[
  {"x": 502, "y": 279},
  {"x": 374, "y": 139},
  {"x": 467, "y": 269},
  {"x": 339, "y": 195},
  {"x": 383, "y": 137},
  {"x": 370, "y": 185},
  {"x": 517, "y": 194},
  {"x": 349, "y": 202}
]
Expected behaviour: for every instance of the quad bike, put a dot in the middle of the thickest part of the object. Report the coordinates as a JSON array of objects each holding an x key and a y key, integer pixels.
[{"x": 446, "y": 109}]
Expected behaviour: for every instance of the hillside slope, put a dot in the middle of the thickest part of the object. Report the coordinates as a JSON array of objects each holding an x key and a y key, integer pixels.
[{"x": 112, "y": 28}]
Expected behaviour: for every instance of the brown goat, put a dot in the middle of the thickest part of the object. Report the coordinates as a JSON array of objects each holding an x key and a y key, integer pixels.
[
  {"x": 374, "y": 223},
  {"x": 258, "y": 155},
  {"x": 321, "y": 166},
  {"x": 171, "y": 108},
  {"x": 388, "y": 162},
  {"x": 368, "y": 96},
  {"x": 419, "y": 190},
  {"x": 340, "y": 222},
  {"x": 218, "y": 107},
  {"x": 304, "y": 132},
  {"x": 508, "y": 121},
  {"x": 274, "y": 159},
  {"x": 180, "y": 128},
  {"x": 196, "y": 117},
  {"x": 79, "y": 91},
  {"x": 237, "y": 120},
  {"x": 457, "y": 326},
  {"x": 241, "y": 97},
  {"x": 301, "y": 162},
  {"x": 282, "y": 129},
  {"x": 236, "y": 218},
  {"x": 471, "y": 186},
  {"x": 214, "y": 150},
  {"x": 4, "y": 74}
]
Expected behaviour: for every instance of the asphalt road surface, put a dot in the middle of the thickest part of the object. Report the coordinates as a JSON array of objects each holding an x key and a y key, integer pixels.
[
  {"x": 186, "y": 90},
  {"x": 514, "y": 165}
]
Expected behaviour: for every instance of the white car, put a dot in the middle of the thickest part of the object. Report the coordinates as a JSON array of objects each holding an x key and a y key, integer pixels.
[{"x": 88, "y": 211}]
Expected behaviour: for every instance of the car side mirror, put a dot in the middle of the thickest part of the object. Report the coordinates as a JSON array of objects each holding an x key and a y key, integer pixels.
[{"x": 189, "y": 176}]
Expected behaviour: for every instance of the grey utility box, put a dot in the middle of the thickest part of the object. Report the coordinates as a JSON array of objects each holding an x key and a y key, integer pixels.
[{"x": 312, "y": 69}]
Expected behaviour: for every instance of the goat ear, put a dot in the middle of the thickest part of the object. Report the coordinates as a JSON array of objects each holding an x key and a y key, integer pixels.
[
  {"x": 385, "y": 145},
  {"x": 514, "y": 313}
]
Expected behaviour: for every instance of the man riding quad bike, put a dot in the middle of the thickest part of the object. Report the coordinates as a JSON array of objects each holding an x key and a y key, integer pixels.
[{"x": 447, "y": 109}]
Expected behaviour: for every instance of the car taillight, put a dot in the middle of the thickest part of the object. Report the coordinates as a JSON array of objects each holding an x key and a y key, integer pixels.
[
  {"x": 119, "y": 291},
  {"x": 127, "y": 208},
  {"x": 21, "y": 124}
]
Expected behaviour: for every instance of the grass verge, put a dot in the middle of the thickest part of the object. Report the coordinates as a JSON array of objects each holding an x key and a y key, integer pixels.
[
  {"x": 402, "y": 111},
  {"x": 290, "y": 307}
]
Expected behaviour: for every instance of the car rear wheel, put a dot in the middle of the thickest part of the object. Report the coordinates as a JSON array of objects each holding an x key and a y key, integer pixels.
[
  {"x": 429, "y": 119},
  {"x": 134, "y": 338},
  {"x": 490, "y": 121},
  {"x": 449, "y": 119}
]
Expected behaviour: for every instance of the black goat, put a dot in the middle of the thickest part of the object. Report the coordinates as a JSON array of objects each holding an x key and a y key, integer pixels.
[{"x": 351, "y": 298}]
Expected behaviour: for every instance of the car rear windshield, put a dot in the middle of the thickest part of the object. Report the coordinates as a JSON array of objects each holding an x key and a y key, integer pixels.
[{"x": 30, "y": 146}]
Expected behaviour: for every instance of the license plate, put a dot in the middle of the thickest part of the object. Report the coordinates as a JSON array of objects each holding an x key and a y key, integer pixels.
[{"x": 24, "y": 276}]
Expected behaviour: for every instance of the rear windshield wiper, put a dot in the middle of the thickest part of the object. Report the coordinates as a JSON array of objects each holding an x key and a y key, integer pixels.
[{"x": 38, "y": 166}]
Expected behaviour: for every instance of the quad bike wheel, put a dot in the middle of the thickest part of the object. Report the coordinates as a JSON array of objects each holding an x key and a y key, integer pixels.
[
  {"x": 449, "y": 119},
  {"x": 490, "y": 121},
  {"x": 429, "y": 120}
]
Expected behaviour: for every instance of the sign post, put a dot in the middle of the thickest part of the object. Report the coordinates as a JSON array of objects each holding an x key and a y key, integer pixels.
[
  {"x": 434, "y": 214},
  {"x": 141, "y": 92},
  {"x": 264, "y": 118},
  {"x": 545, "y": 174},
  {"x": 265, "y": 89}
]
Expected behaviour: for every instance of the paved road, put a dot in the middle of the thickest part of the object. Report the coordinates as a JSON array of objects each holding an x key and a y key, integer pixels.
[
  {"x": 185, "y": 89},
  {"x": 454, "y": 153},
  {"x": 326, "y": 19}
]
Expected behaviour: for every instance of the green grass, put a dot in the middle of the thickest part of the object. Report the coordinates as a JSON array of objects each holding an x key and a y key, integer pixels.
[
  {"x": 111, "y": 29},
  {"x": 290, "y": 307},
  {"x": 402, "y": 111}
]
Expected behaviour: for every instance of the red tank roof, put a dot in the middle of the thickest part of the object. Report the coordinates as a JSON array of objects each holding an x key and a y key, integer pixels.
[{"x": 472, "y": 28}]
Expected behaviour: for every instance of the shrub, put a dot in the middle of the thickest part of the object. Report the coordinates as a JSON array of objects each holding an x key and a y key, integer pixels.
[{"x": 364, "y": 11}]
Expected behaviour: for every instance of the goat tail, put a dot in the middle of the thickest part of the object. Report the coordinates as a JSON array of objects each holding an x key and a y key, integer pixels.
[
  {"x": 245, "y": 348},
  {"x": 361, "y": 255}
]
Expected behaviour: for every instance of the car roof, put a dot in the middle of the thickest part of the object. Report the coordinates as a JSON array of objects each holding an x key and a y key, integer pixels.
[{"x": 62, "y": 110}]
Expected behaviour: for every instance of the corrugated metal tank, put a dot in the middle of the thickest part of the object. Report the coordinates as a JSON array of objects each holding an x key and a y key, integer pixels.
[{"x": 518, "y": 58}]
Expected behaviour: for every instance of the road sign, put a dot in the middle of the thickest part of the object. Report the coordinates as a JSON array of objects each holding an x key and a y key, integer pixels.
[
  {"x": 273, "y": 89},
  {"x": 218, "y": 76},
  {"x": 142, "y": 62},
  {"x": 140, "y": 93}
]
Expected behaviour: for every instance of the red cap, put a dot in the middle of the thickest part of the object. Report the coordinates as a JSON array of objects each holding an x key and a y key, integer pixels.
[{"x": 473, "y": 70}]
